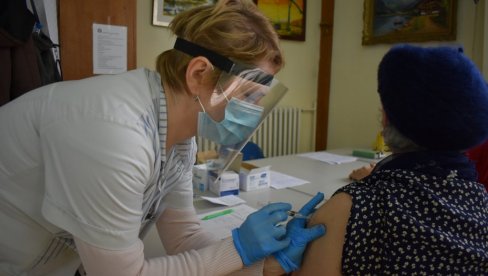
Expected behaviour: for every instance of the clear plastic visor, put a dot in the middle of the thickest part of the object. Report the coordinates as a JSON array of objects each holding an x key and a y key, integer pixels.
[
  {"x": 253, "y": 86},
  {"x": 249, "y": 88}
]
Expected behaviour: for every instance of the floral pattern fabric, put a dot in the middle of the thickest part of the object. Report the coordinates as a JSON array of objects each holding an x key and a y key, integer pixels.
[{"x": 417, "y": 215}]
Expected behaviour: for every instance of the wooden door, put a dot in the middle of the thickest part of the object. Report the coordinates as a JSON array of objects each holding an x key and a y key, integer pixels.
[
  {"x": 326, "y": 27},
  {"x": 76, "y": 18}
]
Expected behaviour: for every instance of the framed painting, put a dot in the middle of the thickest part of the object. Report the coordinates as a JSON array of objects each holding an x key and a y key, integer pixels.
[
  {"x": 165, "y": 10},
  {"x": 388, "y": 21},
  {"x": 287, "y": 16}
]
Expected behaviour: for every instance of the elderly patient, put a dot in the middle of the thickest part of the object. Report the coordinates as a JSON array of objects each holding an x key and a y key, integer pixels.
[{"x": 421, "y": 210}]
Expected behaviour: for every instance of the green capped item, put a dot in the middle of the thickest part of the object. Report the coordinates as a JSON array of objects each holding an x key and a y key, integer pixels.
[
  {"x": 366, "y": 154},
  {"x": 218, "y": 214}
]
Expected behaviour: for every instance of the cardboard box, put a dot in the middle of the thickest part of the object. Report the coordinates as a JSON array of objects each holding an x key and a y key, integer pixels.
[
  {"x": 228, "y": 184},
  {"x": 253, "y": 178},
  {"x": 205, "y": 156},
  {"x": 200, "y": 177}
]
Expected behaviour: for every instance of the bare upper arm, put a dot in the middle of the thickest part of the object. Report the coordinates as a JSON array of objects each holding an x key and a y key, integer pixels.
[{"x": 324, "y": 255}]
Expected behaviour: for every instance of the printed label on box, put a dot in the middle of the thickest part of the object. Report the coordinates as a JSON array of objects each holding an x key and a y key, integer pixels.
[
  {"x": 253, "y": 178},
  {"x": 200, "y": 177},
  {"x": 226, "y": 185}
]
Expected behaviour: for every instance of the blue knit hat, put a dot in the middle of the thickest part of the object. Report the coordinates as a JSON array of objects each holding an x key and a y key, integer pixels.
[{"x": 434, "y": 96}]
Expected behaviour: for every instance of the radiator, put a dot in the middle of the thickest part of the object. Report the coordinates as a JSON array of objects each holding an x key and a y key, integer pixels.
[{"x": 279, "y": 134}]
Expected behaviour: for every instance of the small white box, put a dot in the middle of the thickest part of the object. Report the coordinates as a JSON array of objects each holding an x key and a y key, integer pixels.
[
  {"x": 228, "y": 184},
  {"x": 253, "y": 178},
  {"x": 200, "y": 177}
]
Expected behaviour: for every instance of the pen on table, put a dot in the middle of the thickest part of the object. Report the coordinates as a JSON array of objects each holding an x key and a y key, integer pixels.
[
  {"x": 218, "y": 214},
  {"x": 295, "y": 214}
]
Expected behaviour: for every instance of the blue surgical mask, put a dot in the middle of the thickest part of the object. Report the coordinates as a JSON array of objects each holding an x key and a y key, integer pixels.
[{"x": 241, "y": 119}]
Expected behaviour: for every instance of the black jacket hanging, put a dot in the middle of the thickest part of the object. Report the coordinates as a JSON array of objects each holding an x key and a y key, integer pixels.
[
  {"x": 48, "y": 68},
  {"x": 18, "y": 67}
]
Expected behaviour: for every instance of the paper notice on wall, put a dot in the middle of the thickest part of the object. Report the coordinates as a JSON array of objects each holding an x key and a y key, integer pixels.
[{"x": 109, "y": 49}]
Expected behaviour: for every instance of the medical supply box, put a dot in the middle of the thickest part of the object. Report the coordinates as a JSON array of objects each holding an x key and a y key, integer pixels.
[
  {"x": 200, "y": 178},
  {"x": 252, "y": 177},
  {"x": 227, "y": 184}
]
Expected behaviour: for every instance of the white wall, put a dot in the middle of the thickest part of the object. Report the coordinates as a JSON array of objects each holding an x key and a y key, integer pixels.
[
  {"x": 354, "y": 104},
  {"x": 301, "y": 58}
]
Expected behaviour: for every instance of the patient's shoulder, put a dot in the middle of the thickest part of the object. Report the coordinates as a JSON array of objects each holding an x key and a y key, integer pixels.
[
  {"x": 324, "y": 255},
  {"x": 337, "y": 207}
]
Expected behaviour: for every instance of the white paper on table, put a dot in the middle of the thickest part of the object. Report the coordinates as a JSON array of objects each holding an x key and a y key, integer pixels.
[
  {"x": 109, "y": 49},
  {"x": 228, "y": 200},
  {"x": 330, "y": 158},
  {"x": 221, "y": 227},
  {"x": 281, "y": 180}
]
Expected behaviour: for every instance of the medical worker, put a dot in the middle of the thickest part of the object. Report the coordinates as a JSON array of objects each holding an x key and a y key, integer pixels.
[{"x": 87, "y": 166}]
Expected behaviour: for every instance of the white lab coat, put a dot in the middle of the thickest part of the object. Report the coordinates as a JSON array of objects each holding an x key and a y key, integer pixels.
[{"x": 72, "y": 150}]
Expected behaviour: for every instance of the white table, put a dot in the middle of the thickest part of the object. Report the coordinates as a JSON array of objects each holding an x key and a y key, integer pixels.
[
  {"x": 258, "y": 199},
  {"x": 323, "y": 177},
  {"x": 255, "y": 199}
]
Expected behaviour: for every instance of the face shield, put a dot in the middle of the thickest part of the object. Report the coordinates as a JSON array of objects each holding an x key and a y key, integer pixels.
[{"x": 243, "y": 98}]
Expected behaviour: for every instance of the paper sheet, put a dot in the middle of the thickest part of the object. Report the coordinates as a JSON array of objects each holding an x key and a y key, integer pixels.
[
  {"x": 329, "y": 158},
  {"x": 229, "y": 200},
  {"x": 221, "y": 227},
  {"x": 281, "y": 180},
  {"x": 109, "y": 49}
]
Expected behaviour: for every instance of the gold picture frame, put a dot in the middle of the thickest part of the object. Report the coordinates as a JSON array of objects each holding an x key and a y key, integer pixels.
[
  {"x": 165, "y": 10},
  {"x": 409, "y": 21}
]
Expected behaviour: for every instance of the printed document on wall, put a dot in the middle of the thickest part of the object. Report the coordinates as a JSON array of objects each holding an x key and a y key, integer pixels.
[{"x": 109, "y": 49}]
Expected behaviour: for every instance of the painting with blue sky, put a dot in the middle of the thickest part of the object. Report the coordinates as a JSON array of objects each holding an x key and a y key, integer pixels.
[{"x": 390, "y": 21}]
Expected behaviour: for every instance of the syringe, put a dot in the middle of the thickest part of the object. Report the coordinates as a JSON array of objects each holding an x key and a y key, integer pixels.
[{"x": 296, "y": 214}]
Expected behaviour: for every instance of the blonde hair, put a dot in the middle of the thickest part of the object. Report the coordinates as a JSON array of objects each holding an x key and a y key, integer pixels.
[{"x": 235, "y": 29}]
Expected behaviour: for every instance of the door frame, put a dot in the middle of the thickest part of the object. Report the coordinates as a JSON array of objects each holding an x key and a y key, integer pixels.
[{"x": 324, "y": 74}]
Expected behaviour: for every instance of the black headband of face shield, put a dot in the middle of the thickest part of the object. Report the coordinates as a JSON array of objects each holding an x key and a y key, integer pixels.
[{"x": 220, "y": 61}]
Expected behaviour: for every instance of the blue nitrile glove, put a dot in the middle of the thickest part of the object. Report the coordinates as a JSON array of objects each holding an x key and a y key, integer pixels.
[
  {"x": 290, "y": 258},
  {"x": 260, "y": 235}
]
